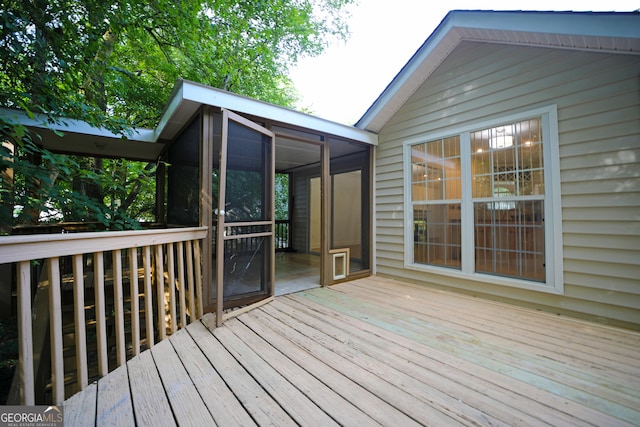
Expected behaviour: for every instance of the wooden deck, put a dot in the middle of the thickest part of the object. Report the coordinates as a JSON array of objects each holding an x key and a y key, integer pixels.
[{"x": 376, "y": 352}]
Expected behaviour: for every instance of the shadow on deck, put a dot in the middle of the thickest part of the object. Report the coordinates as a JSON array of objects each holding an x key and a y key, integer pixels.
[{"x": 376, "y": 351}]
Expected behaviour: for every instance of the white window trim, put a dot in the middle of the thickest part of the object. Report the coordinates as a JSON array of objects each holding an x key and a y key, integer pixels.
[{"x": 554, "y": 282}]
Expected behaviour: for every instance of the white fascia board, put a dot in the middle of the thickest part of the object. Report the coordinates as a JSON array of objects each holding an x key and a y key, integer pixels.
[
  {"x": 66, "y": 125},
  {"x": 206, "y": 95},
  {"x": 175, "y": 99},
  {"x": 583, "y": 24}
]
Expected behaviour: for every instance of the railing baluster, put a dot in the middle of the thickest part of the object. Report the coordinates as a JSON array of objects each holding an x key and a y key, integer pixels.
[
  {"x": 79, "y": 320},
  {"x": 182, "y": 289},
  {"x": 135, "y": 301},
  {"x": 101, "y": 321},
  {"x": 172, "y": 287},
  {"x": 25, "y": 348},
  {"x": 162, "y": 329},
  {"x": 118, "y": 302},
  {"x": 55, "y": 326},
  {"x": 192, "y": 303},
  {"x": 148, "y": 305},
  {"x": 198, "y": 272},
  {"x": 20, "y": 249}
]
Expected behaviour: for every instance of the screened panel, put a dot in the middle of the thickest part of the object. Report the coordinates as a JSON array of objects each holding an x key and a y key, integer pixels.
[
  {"x": 183, "y": 176},
  {"x": 247, "y": 263},
  {"x": 248, "y": 189},
  {"x": 350, "y": 201}
]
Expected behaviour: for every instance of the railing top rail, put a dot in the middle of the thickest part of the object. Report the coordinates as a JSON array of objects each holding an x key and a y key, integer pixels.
[{"x": 36, "y": 246}]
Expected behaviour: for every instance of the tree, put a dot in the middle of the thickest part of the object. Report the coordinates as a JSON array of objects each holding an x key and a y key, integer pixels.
[{"x": 113, "y": 64}]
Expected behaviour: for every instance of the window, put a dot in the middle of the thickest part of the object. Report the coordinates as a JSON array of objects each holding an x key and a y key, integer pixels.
[
  {"x": 437, "y": 195},
  {"x": 480, "y": 199}
]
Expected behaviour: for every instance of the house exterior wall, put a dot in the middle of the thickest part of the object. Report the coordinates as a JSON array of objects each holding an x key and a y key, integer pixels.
[{"x": 598, "y": 104}]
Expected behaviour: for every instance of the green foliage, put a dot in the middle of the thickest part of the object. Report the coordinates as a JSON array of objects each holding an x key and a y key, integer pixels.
[
  {"x": 282, "y": 196},
  {"x": 113, "y": 65},
  {"x": 45, "y": 189}
]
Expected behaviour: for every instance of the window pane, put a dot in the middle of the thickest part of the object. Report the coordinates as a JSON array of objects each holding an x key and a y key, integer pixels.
[
  {"x": 510, "y": 242},
  {"x": 528, "y": 131},
  {"x": 418, "y": 154},
  {"x": 436, "y": 225},
  {"x": 482, "y": 172},
  {"x": 419, "y": 191},
  {"x": 508, "y": 154},
  {"x": 452, "y": 147},
  {"x": 480, "y": 141},
  {"x": 418, "y": 172},
  {"x": 436, "y": 231}
]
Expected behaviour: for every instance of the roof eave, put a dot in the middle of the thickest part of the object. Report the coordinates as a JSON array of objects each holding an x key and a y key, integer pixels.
[
  {"x": 188, "y": 96},
  {"x": 82, "y": 138},
  {"x": 601, "y": 32}
]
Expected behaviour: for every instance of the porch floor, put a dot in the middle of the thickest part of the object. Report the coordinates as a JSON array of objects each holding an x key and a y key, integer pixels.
[{"x": 376, "y": 352}]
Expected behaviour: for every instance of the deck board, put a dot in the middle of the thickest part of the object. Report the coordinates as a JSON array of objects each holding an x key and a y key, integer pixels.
[
  {"x": 341, "y": 410},
  {"x": 256, "y": 401},
  {"x": 150, "y": 403},
  {"x": 376, "y": 408},
  {"x": 80, "y": 409},
  {"x": 471, "y": 385},
  {"x": 377, "y": 352},
  {"x": 546, "y": 367},
  {"x": 220, "y": 400},
  {"x": 292, "y": 400},
  {"x": 114, "y": 407},
  {"x": 186, "y": 403}
]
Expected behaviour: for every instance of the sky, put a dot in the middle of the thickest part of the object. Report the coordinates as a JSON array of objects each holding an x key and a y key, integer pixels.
[{"x": 347, "y": 78}]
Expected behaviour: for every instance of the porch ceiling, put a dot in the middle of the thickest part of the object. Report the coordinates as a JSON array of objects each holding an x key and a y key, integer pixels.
[{"x": 291, "y": 154}]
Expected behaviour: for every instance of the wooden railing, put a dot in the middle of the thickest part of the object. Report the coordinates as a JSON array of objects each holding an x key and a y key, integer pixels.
[
  {"x": 155, "y": 250},
  {"x": 283, "y": 234}
]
